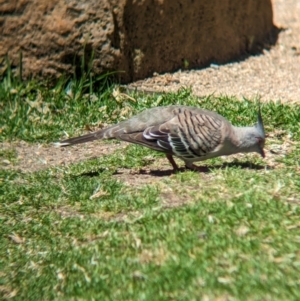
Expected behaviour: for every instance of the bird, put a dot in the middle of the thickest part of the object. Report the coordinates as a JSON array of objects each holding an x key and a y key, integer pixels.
[{"x": 189, "y": 133}]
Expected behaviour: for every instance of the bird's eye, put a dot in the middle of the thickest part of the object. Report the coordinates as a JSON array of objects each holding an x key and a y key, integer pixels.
[{"x": 260, "y": 140}]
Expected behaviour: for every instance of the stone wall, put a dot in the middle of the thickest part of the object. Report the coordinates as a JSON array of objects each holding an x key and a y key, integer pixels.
[{"x": 138, "y": 37}]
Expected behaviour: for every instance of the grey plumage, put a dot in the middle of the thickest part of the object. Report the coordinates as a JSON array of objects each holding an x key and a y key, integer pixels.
[{"x": 189, "y": 133}]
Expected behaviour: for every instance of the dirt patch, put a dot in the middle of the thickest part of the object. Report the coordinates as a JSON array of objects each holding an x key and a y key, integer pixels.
[
  {"x": 274, "y": 75},
  {"x": 34, "y": 157},
  {"x": 152, "y": 173}
]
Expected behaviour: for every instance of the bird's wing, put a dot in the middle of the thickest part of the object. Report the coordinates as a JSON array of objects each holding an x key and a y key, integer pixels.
[{"x": 188, "y": 135}]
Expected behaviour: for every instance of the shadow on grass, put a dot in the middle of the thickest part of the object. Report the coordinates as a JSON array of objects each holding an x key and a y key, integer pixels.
[
  {"x": 90, "y": 174},
  {"x": 164, "y": 173},
  {"x": 243, "y": 165}
]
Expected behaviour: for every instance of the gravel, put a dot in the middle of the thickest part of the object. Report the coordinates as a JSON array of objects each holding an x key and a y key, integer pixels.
[{"x": 273, "y": 75}]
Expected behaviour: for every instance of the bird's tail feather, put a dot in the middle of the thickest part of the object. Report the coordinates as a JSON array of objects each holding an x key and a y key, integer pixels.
[{"x": 78, "y": 140}]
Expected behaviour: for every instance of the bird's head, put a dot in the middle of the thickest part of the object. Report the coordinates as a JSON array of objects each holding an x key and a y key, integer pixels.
[{"x": 252, "y": 139}]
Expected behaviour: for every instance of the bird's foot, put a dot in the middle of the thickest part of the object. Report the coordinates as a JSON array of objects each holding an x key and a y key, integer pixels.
[
  {"x": 193, "y": 167},
  {"x": 172, "y": 162}
]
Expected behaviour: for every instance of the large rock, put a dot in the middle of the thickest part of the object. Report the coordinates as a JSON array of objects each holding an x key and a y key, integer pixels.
[{"x": 138, "y": 37}]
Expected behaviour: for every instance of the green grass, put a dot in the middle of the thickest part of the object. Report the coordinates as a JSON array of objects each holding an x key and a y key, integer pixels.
[{"x": 80, "y": 233}]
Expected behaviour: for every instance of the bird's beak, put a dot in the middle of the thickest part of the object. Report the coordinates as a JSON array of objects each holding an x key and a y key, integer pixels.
[{"x": 262, "y": 152}]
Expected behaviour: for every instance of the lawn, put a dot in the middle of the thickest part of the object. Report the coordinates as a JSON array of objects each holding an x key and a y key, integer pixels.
[{"x": 83, "y": 232}]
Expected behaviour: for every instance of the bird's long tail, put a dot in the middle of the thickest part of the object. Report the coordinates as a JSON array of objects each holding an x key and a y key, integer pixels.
[{"x": 80, "y": 139}]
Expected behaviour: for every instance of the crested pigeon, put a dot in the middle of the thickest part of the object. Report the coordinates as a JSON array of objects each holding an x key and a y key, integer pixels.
[{"x": 189, "y": 133}]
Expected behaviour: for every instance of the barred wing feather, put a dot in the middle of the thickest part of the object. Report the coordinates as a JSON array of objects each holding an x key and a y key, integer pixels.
[{"x": 187, "y": 135}]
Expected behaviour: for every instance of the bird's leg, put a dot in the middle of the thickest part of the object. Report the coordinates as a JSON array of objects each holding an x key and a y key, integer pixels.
[
  {"x": 193, "y": 167},
  {"x": 171, "y": 160}
]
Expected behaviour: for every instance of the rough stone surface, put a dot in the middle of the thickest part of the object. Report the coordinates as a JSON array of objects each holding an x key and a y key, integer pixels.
[{"x": 138, "y": 37}]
